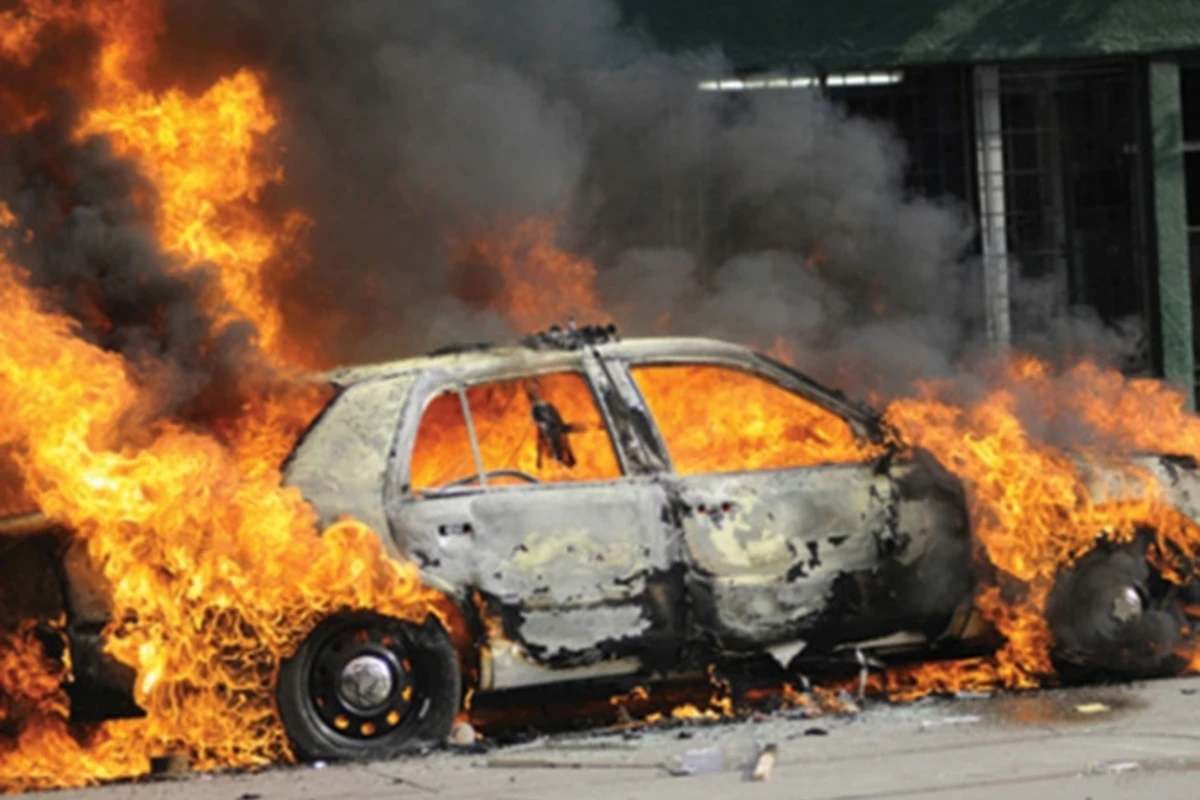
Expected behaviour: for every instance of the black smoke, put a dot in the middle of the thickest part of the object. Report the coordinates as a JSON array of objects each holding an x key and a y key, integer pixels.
[
  {"x": 409, "y": 125},
  {"x": 85, "y": 235}
]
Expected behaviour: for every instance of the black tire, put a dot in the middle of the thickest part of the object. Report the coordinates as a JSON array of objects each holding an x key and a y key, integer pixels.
[
  {"x": 424, "y": 697},
  {"x": 1114, "y": 618}
]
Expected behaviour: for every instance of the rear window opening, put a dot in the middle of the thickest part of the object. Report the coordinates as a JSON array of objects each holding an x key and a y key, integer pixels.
[{"x": 544, "y": 429}]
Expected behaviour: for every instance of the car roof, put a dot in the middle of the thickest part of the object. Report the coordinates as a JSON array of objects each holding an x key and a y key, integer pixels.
[
  {"x": 483, "y": 358},
  {"x": 563, "y": 351}
]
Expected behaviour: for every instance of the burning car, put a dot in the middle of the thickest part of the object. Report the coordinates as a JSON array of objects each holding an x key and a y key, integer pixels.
[{"x": 595, "y": 508}]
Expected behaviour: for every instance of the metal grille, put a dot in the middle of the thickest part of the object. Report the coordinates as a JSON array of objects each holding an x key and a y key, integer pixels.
[
  {"x": 1190, "y": 100},
  {"x": 930, "y": 111},
  {"x": 1073, "y": 215}
]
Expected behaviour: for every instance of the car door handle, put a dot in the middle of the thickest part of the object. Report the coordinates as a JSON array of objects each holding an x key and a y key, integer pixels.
[{"x": 456, "y": 529}]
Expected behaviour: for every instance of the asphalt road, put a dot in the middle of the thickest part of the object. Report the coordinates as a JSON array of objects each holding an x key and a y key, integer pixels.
[{"x": 1128, "y": 742}]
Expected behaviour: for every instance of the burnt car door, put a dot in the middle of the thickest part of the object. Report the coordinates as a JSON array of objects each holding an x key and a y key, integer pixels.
[
  {"x": 786, "y": 510},
  {"x": 513, "y": 487}
]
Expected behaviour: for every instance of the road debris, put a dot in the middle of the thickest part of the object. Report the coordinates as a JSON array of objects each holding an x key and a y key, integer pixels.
[
  {"x": 546, "y": 743},
  {"x": 1114, "y": 767},
  {"x": 462, "y": 734},
  {"x": 809, "y": 732},
  {"x": 965, "y": 719},
  {"x": 172, "y": 766},
  {"x": 699, "y": 762},
  {"x": 502, "y": 762},
  {"x": 765, "y": 763},
  {"x": 864, "y": 675},
  {"x": 1092, "y": 708}
]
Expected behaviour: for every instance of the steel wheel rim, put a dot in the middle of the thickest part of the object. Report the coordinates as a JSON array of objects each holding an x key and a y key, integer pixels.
[{"x": 361, "y": 683}]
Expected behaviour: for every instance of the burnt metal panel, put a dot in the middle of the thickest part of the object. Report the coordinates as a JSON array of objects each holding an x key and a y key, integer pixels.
[
  {"x": 31, "y": 586},
  {"x": 576, "y": 556},
  {"x": 765, "y": 548},
  {"x": 341, "y": 465}
]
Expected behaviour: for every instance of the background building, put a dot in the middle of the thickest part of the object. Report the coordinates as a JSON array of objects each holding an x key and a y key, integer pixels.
[{"x": 1071, "y": 127}]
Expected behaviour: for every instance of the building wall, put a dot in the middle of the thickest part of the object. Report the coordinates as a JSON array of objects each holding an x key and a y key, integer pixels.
[
  {"x": 836, "y": 34},
  {"x": 1165, "y": 107}
]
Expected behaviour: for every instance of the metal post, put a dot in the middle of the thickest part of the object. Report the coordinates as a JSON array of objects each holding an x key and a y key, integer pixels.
[
  {"x": 1170, "y": 215},
  {"x": 989, "y": 166}
]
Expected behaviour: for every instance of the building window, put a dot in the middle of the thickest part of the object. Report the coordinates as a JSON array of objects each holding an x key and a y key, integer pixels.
[
  {"x": 1189, "y": 78},
  {"x": 1060, "y": 178},
  {"x": 929, "y": 110}
]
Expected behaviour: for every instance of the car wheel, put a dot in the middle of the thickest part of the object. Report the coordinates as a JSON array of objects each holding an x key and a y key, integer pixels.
[
  {"x": 364, "y": 686},
  {"x": 1114, "y": 617}
]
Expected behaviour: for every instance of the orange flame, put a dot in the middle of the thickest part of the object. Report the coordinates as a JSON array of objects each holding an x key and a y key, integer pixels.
[
  {"x": 699, "y": 408},
  {"x": 540, "y": 284},
  {"x": 1031, "y": 506},
  {"x": 715, "y": 702},
  {"x": 216, "y": 571},
  {"x": 207, "y": 151},
  {"x": 501, "y": 413}
]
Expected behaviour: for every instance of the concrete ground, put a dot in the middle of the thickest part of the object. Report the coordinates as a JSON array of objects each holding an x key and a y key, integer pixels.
[{"x": 1127, "y": 742}]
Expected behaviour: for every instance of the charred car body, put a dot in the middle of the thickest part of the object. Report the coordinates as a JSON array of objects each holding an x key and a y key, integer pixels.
[{"x": 592, "y": 518}]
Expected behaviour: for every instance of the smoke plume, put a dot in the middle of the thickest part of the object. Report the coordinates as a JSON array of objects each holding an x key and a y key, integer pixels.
[
  {"x": 82, "y": 230},
  {"x": 413, "y": 125},
  {"x": 411, "y": 128}
]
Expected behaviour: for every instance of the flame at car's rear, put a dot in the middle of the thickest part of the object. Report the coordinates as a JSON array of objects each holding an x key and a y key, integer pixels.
[
  {"x": 215, "y": 571},
  {"x": 212, "y": 569}
]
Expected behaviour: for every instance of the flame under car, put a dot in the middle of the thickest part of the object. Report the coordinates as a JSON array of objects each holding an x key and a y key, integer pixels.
[{"x": 598, "y": 508}]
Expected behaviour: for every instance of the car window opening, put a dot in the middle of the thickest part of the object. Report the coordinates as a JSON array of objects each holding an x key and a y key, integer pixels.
[
  {"x": 546, "y": 429},
  {"x": 720, "y": 419},
  {"x": 442, "y": 453}
]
